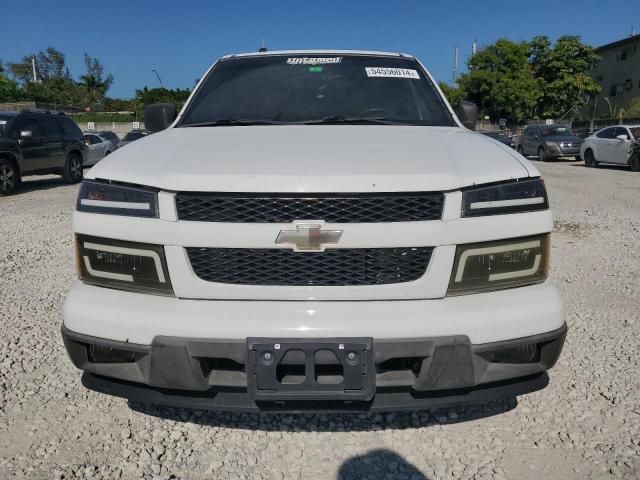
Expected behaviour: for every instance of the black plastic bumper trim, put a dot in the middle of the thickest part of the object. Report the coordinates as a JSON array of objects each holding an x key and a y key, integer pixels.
[
  {"x": 384, "y": 400},
  {"x": 203, "y": 370}
]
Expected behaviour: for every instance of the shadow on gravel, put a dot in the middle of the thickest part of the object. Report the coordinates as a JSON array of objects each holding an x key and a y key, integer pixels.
[
  {"x": 28, "y": 185},
  {"x": 602, "y": 166},
  {"x": 379, "y": 464},
  {"x": 328, "y": 422},
  {"x": 36, "y": 183}
]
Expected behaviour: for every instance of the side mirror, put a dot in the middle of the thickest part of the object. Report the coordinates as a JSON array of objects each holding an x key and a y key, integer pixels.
[
  {"x": 26, "y": 134},
  {"x": 159, "y": 116},
  {"x": 622, "y": 137},
  {"x": 468, "y": 114}
]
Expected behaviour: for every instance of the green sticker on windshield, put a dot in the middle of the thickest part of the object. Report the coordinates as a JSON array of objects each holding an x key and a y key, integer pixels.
[{"x": 315, "y": 69}]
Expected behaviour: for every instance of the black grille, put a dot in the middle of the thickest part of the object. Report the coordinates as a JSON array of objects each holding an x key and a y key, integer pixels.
[
  {"x": 285, "y": 208},
  {"x": 359, "y": 266}
]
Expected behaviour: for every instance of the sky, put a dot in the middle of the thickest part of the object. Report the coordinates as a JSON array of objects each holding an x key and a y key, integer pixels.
[{"x": 182, "y": 39}]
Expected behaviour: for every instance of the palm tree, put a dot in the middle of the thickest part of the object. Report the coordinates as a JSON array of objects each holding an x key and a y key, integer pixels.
[{"x": 93, "y": 82}]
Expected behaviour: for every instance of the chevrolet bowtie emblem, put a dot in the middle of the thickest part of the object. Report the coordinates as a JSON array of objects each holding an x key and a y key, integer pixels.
[{"x": 309, "y": 237}]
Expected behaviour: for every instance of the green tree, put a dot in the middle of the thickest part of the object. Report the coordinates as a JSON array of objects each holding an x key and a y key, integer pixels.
[
  {"x": 9, "y": 91},
  {"x": 454, "y": 94},
  {"x": 50, "y": 64},
  {"x": 147, "y": 96},
  {"x": 563, "y": 70},
  {"x": 94, "y": 82},
  {"x": 500, "y": 81}
]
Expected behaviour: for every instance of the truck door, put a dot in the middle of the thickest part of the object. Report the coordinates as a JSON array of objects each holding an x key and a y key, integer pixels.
[
  {"x": 29, "y": 133},
  {"x": 55, "y": 142}
]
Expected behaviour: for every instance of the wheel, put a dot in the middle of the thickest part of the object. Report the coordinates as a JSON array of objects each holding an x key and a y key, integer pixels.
[
  {"x": 542, "y": 155},
  {"x": 9, "y": 177},
  {"x": 589, "y": 159},
  {"x": 634, "y": 162},
  {"x": 72, "y": 172}
]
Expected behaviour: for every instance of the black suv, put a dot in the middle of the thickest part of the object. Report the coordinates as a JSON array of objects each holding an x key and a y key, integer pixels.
[{"x": 38, "y": 143}]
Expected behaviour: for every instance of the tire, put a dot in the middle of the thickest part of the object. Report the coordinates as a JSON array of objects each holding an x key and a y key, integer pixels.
[
  {"x": 634, "y": 162},
  {"x": 542, "y": 155},
  {"x": 72, "y": 172},
  {"x": 590, "y": 159},
  {"x": 9, "y": 177}
]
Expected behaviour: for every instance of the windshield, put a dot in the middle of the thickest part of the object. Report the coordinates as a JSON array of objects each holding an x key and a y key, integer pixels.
[
  {"x": 298, "y": 89},
  {"x": 558, "y": 132},
  {"x": 4, "y": 124}
]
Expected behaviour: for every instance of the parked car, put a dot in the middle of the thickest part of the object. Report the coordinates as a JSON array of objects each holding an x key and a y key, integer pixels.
[
  {"x": 318, "y": 230},
  {"x": 550, "y": 142},
  {"x": 97, "y": 148},
  {"x": 111, "y": 136},
  {"x": 501, "y": 137},
  {"x": 611, "y": 145},
  {"x": 36, "y": 143},
  {"x": 634, "y": 160},
  {"x": 132, "y": 136}
]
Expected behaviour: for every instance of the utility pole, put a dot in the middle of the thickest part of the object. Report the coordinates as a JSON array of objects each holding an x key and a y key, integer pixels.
[
  {"x": 33, "y": 67},
  {"x": 474, "y": 47},
  {"x": 455, "y": 66}
]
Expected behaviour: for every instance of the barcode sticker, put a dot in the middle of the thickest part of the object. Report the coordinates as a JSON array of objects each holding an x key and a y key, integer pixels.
[{"x": 392, "y": 72}]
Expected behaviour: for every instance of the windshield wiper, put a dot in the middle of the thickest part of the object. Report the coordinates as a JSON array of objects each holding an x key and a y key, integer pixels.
[
  {"x": 335, "y": 119},
  {"x": 226, "y": 121}
]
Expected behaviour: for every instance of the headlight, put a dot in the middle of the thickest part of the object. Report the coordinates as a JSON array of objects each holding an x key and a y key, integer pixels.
[
  {"x": 99, "y": 197},
  {"x": 481, "y": 267},
  {"x": 512, "y": 197},
  {"x": 137, "y": 267}
]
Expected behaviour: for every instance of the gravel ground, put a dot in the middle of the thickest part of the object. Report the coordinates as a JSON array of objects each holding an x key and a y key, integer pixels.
[{"x": 586, "y": 424}]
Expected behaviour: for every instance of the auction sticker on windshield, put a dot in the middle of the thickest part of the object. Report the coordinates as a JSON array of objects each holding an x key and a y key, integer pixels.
[
  {"x": 392, "y": 72},
  {"x": 313, "y": 60}
]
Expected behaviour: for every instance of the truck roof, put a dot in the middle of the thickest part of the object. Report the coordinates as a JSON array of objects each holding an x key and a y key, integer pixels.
[{"x": 318, "y": 52}]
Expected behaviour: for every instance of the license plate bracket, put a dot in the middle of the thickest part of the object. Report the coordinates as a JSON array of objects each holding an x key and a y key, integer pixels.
[{"x": 267, "y": 378}]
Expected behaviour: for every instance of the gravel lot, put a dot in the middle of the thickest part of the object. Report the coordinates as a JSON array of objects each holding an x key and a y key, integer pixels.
[{"x": 586, "y": 424}]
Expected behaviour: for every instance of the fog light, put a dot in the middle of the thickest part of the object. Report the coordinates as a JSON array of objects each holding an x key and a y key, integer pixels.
[
  {"x": 103, "y": 354},
  {"x": 525, "y": 353}
]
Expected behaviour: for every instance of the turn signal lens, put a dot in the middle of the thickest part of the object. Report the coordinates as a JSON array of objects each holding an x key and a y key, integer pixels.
[
  {"x": 512, "y": 197},
  {"x": 98, "y": 197}
]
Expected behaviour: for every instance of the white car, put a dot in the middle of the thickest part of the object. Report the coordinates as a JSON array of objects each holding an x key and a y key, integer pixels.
[
  {"x": 610, "y": 145},
  {"x": 97, "y": 148},
  {"x": 314, "y": 230}
]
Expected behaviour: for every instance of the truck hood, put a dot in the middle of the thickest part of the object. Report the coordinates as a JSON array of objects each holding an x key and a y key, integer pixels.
[{"x": 313, "y": 158}]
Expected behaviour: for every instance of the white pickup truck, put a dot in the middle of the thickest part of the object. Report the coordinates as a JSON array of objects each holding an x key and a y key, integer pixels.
[{"x": 314, "y": 230}]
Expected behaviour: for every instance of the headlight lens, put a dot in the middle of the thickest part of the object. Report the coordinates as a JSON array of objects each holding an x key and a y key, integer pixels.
[
  {"x": 96, "y": 197},
  {"x": 481, "y": 267},
  {"x": 132, "y": 266},
  {"x": 512, "y": 197}
]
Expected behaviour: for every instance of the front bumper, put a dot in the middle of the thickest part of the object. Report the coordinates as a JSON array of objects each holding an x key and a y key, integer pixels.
[
  {"x": 409, "y": 373},
  {"x": 563, "y": 152}
]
